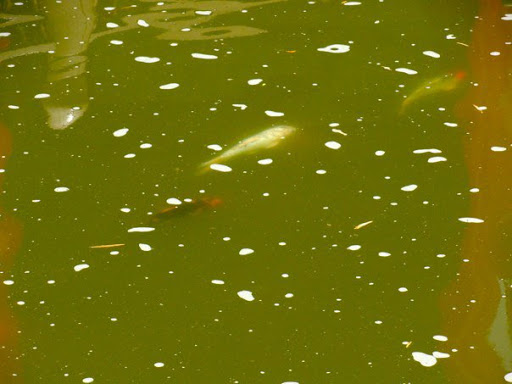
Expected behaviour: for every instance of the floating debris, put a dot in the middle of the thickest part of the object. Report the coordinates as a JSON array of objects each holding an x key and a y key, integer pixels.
[
  {"x": 359, "y": 226},
  {"x": 106, "y": 246}
]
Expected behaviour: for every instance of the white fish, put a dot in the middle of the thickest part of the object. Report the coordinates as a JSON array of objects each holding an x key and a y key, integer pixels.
[{"x": 267, "y": 139}]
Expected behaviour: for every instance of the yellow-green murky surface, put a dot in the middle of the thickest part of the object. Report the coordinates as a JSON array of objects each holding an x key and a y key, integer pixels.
[{"x": 362, "y": 226}]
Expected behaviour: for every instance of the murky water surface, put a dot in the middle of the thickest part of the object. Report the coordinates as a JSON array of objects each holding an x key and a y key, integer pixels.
[{"x": 255, "y": 191}]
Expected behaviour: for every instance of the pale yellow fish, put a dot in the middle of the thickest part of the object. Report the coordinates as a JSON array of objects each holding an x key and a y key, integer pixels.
[{"x": 266, "y": 139}]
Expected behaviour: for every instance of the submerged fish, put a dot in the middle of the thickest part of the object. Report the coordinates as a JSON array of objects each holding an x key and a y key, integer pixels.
[
  {"x": 187, "y": 208},
  {"x": 445, "y": 83},
  {"x": 267, "y": 139}
]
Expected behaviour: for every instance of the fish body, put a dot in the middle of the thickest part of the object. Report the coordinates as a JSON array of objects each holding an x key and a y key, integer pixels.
[
  {"x": 187, "y": 208},
  {"x": 440, "y": 84},
  {"x": 263, "y": 140}
]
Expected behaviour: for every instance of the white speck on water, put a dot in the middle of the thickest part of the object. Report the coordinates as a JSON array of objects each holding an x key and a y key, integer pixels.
[
  {"x": 441, "y": 255},
  {"x": 215, "y": 147},
  {"x": 246, "y": 295},
  {"x": 159, "y": 365},
  {"x": 129, "y": 156},
  {"x": 354, "y": 247},
  {"x": 116, "y": 42},
  {"x": 507, "y": 17},
  {"x": 406, "y": 71},
  {"x": 142, "y": 23},
  {"x": 495, "y": 53},
  {"x": 384, "y": 254},
  {"x": 8, "y": 282},
  {"x": 470, "y": 220},
  {"x": 436, "y": 159},
  {"x": 320, "y": 171},
  {"x": 112, "y": 25},
  {"x": 429, "y": 150},
  {"x": 42, "y": 96},
  {"x": 173, "y": 201},
  {"x": 147, "y": 59},
  {"x": 169, "y": 86},
  {"x": 448, "y": 124},
  {"x": 378, "y": 322},
  {"x": 204, "y": 56},
  {"x": 87, "y": 380},
  {"x": 380, "y": 153},
  {"x": 80, "y": 267},
  {"x": 121, "y": 132},
  {"x": 440, "y": 355},
  {"x": 274, "y": 113},
  {"x": 141, "y": 229},
  {"x": 218, "y": 282},
  {"x": 349, "y": 3},
  {"x": 432, "y": 54},
  {"x": 424, "y": 359},
  {"x": 285, "y": 275},
  {"x": 146, "y": 145},
  {"x": 288, "y": 295},
  {"x": 203, "y": 13},
  {"x": 145, "y": 247},
  {"x": 125, "y": 210},
  {"x": 333, "y": 145},
  {"x": 5, "y": 34},
  {"x": 265, "y": 161},
  {"x": 474, "y": 190},
  {"x": 241, "y": 106},
  {"x": 508, "y": 376},
  {"x": 61, "y": 189},
  {"x": 281, "y": 243},
  {"x": 51, "y": 281},
  {"x": 254, "y": 81},
  {"x": 226, "y": 238},
  {"x": 450, "y": 36},
  {"x": 20, "y": 302},
  {"x": 13, "y": 107},
  {"x": 335, "y": 48},
  {"x": 220, "y": 168},
  {"x": 245, "y": 251},
  {"x": 409, "y": 188},
  {"x": 498, "y": 149},
  {"x": 402, "y": 289},
  {"x": 290, "y": 382}
]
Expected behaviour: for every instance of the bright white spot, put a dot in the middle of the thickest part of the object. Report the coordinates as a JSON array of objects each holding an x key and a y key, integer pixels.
[
  {"x": 61, "y": 189},
  {"x": 470, "y": 220},
  {"x": 273, "y": 113},
  {"x": 112, "y": 25},
  {"x": 440, "y": 355},
  {"x": 354, "y": 247},
  {"x": 13, "y": 107},
  {"x": 333, "y": 145},
  {"x": 146, "y": 146},
  {"x": 474, "y": 190},
  {"x": 409, "y": 188},
  {"x": 141, "y": 229},
  {"x": 424, "y": 359},
  {"x": 145, "y": 247},
  {"x": 80, "y": 267},
  {"x": 215, "y": 147},
  {"x": 173, "y": 201},
  {"x": 129, "y": 156},
  {"x": 88, "y": 380},
  {"x": 126, "y": 210},
  {"x": 508, "y": 376},
  {"x": 290, "y": 382},
  {"x": 227, "y": 238},
  {"x": 218, "y": 282},
  {"x": 384, "y": 254},
  {"x": 169, "y": 86},
  {"x": 406, "y": 71},
  {"x": 451, "y": 36},
  {"x": 288, "y": 295},
  {"x": 352, "y": 3},
  {"x": 245, "y": 251},
  {"x": 265, "y": 161},
  {"x": 450, "y": 124},
  {"x": 8, "y": 282},
  {"x": 220, "y": 168},
  {"x": 20, "y": 302},
  {"x": 246, "y": 295},
  {"x": 335, "y": 48},
  {"x": 430, "y": 150},
  {"x": 159, "y": 365},
  {"x": 203, "y": 13},
  {"x": 380, "y": 153},
  {"x": 507, "y": 17},
  {"x": 241, "y": 106},
  {"x": 320, "y": 171},
  {"x": 142, "y": 23},
  {"x": 436, "y": 159},
  {"x": 147, "y": 60},
  {"x": 498, "y": 149},
  {"x": 204, "y": 56},
  {"x": 495, "y": 53},
  {"x": 5, "y": 34},
  {"x": 402, "y": 289},
  {"x": 432, "y": 54},
  {"x": 254, "y": 81},
  {"x": 121, "y": 132},
  {"x": 42, "y": 96},
  {"x": 116, "y": 42}
]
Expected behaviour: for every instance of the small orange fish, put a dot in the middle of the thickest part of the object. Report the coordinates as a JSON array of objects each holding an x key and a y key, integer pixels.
[{"x": 187, "y": 208}]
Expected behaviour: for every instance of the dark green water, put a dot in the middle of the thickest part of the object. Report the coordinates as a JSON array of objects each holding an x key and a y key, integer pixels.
[{"x": 347, "y": 320}]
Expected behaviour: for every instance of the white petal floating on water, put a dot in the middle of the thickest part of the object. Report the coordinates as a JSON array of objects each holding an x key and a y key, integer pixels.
[
  {"x": 320, "y": 171},
  {"x": 142, "y": 23},
  {"x": 440, "y": 355},
  {"x": 406, "y": 71},
  {"x": 508, "y": 376},
  {"x": 8, "y": 282},
  {"x": 335, "y": 48},
  {"x": 254, "y": 81},
  {"x": 5, "y": 34},
  {"x": 429, "y": 150},
  {"x": 474, "y": 220},
  {"x": 436, "y": 159},
  {"x": 145, "y": 145},
  {"x": 274, "y": 113},
  {"x": 203, "y": 13},
  {"x": 159, "y": 364},
  {"x": 424, "y": 359},
  {"x": 380, "y": 153},
  {"x": 220, "y": 168},
  {"x": 218, "y": 282},
  {"x": 354, "y": 247},
  {"x": 80, "y": 267},
  {"x": 112, "y": 25},
  {"x": 241, "y": 106},
  {"x": 432, "y": 54},
  {"x": 61, "y": 189},
  {"x": 42, "y": 96},
  {"x": 215, "y": 147},
  {"x": 173, "y": 201},
  {"x": 245, "y": 251},
  {"x": 116, "y": 42},
  {"x": 351, "y": 3},
  {"x": 147, "y": 59},
  {"x": 384, "y": 254},
  {"x": 409, "y": 188},
  {"x": 333, "y": 145},
  {"x": 121, "y": 132},
  {"x": 402, "y": 289},
  {"x": 448, "y": 124},
  {"x": 265, "y": 161},
  {"x": 129, "y": 156},
  {"x": 204, "y": 56},
  {"x": 141, "y": 229},
  {"x": 169, "y": 86},
  {"x": 440, "y": 338},
  {"x": 87, "y": 380},
  {"x": 498, "y": 149},
  {"x": 145, "y": 247},
  {"x": 246, "y": 295}
]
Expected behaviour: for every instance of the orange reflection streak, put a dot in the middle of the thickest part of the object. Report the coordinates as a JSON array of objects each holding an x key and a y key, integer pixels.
[
  {"x": 10, "y": 239},
  {"x": 470, "y": 325}
]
